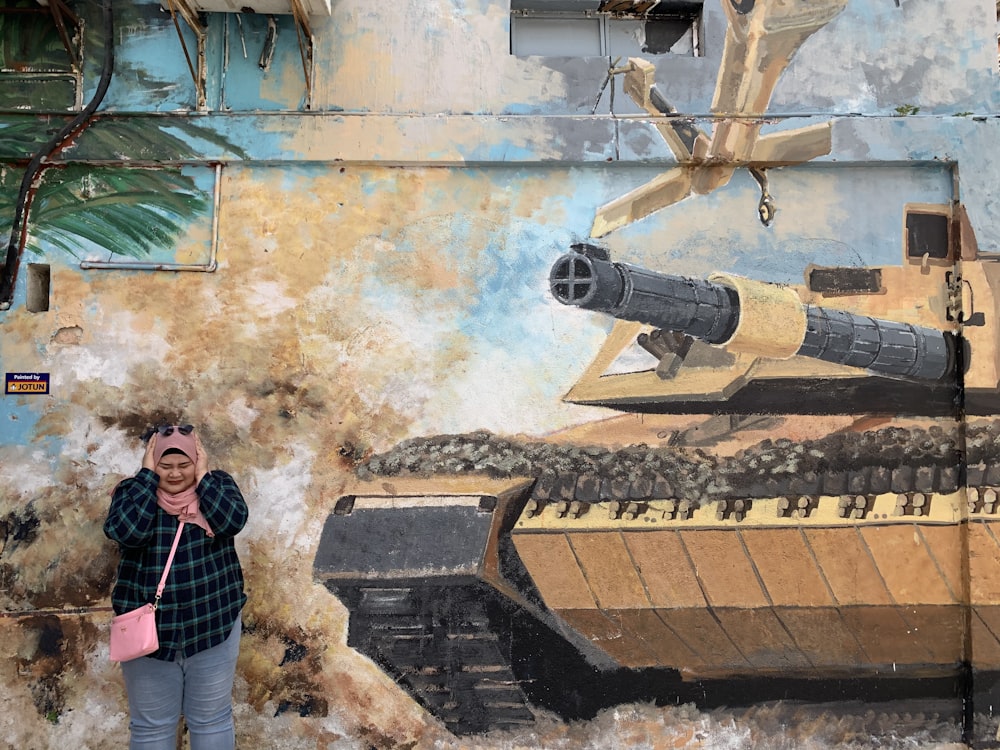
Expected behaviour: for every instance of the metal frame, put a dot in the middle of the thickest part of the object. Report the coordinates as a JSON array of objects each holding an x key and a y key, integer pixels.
[
  {"x": 70, "y": 29},
  {"x": 197, "y": 69},
  {"x": 209, "y": 267},
  {"x": 187, "y": 12}
]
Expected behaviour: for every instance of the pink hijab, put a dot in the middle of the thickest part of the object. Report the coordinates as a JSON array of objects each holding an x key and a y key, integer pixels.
[{"x": 184, "y": 504}]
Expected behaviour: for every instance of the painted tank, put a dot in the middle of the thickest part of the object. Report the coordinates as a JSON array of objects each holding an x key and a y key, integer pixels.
[
  {"x": 490, "y": 600},
  {"x": 496, "y": 579},
  {"x": 665, "y": 573},
  {"x": 912, "y": 339}
]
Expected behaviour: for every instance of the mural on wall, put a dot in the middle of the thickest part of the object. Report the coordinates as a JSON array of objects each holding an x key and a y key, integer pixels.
[
  {"x": 539, "y": 450},
  {"x": 580, "y": 577},
  {"x": 129, "y": 209},
  {"x": 117, "y": 211},
  {"x": 761, "y": 39}
]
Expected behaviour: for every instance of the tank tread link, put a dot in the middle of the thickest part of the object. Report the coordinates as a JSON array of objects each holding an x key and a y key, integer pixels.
[
  {"x": 574, "y": 494},
  {"x": 874, "y": 462},
  {"x": 443, "y": 646}
]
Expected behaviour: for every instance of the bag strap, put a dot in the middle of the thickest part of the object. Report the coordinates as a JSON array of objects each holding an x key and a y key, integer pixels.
[{"x": 166, "y": 568}]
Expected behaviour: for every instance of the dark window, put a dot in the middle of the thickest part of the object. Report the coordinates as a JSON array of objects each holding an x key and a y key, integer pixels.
[
  {"x": 39, "y": 281},
  {"x": 589, "y": 28},
  {"x": 40, "y": 50},
  {"x": 927, "y": 234}
]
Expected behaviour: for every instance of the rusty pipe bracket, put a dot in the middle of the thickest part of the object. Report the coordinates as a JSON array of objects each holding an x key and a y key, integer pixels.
[
  {"x": 196, "y": 67},
  {"x": 306, "y": 46}
]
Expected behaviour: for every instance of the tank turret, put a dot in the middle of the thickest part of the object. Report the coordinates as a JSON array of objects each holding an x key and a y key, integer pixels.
[
  {"x": 909, "y": 340},
  {"x": 675, "y": 572}
]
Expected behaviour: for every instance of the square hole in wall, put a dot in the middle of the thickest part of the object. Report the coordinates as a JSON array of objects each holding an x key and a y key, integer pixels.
[
  {"x": 39, "y": 283},
  {"x": 927, "y": 233}
]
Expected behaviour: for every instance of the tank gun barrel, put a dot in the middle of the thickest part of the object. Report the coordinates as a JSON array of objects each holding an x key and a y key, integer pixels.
[{"x": 750, "y": 316}]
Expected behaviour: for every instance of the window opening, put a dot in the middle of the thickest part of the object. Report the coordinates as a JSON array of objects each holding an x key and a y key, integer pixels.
[
  {"x": 589, "y": 28},
  {"x": 927, "y": 234},
  {"x": 190, "y": 12},
  {"x": 40, "y": 55}
]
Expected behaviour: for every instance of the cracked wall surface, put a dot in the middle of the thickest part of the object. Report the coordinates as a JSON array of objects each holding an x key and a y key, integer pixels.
[{"x": 382, "y": 276}]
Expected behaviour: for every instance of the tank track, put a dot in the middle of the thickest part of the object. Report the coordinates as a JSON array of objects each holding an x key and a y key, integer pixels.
[
  {"x": 464, "y": 668},
  {"x": 447, "y": 646}
]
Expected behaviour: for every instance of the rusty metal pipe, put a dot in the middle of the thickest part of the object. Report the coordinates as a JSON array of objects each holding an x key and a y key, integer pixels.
[
  {"x": 19, "y": 224},
  {"x": 137, "y": 265}
]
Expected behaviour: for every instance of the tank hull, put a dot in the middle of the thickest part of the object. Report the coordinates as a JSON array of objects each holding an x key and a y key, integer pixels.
[
  {"x": 515, "y": 597},
  {"x": 762, "y": 592}
]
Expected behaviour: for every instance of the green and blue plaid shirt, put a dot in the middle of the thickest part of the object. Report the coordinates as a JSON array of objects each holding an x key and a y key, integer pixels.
[{"x": 204, "y": 591}]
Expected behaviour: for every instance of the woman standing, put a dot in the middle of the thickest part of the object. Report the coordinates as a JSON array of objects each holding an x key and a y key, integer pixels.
[{"x": 198, "y": 617}]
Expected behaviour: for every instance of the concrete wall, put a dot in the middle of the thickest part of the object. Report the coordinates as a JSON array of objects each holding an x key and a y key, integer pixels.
[{"x": 382, "y": 235}]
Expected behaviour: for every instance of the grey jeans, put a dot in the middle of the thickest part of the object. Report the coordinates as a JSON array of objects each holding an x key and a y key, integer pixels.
[{"x": 200, "y": 687}]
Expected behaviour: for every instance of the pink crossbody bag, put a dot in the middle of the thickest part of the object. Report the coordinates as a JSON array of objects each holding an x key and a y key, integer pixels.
[{"x": 133, "y": 634}]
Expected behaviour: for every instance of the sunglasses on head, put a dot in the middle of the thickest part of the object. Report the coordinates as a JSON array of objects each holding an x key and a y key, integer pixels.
[{"x": 163, "y": 429}]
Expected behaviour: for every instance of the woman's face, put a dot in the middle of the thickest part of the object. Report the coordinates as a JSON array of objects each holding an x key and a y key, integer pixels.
[{"x": 176, "y": 473}]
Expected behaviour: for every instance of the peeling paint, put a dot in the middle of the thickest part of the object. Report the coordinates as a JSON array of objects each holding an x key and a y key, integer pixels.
[{"x": 382, "y": 278}]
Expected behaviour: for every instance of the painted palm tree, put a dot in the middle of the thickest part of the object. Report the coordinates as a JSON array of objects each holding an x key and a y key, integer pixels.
[
  {"x": 29, "y": 44},
  {"x": 127, "y": 211},
  {"x": 80, "y": 205}
]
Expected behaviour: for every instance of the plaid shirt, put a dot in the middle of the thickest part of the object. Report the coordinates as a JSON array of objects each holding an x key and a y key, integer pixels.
[{"x": 204, "y": 591}]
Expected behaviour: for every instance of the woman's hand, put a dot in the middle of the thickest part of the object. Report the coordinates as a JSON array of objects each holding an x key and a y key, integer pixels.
[
  {"x": 201, "y": 463},
  {"x": 147, "y": 457}
]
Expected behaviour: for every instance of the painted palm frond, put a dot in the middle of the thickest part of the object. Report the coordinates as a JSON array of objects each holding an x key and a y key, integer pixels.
[
  {"x": 21, "y": 137},
  {"x": 117, "y": 138},
  {"x": 29, "y": 41},
  {"x": 128, "y": 212},
  {"x": 156, "y": 139},
  {"x": 88, "y": 196}
]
